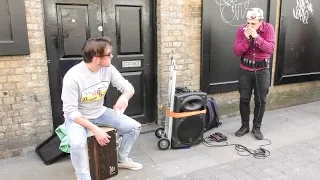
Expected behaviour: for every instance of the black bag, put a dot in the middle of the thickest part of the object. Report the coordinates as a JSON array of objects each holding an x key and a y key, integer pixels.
[
  {"x": 49, "y": 150},
  {"x": 182, "y": 90},
  {"x": 212, "y": 115}
]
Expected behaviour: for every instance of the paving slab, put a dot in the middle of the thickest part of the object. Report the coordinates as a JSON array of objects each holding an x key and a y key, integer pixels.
[{"x": 295, "y": 154}]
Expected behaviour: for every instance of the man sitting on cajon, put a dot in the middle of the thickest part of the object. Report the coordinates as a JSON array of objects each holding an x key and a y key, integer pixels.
[{"x": 84, "y": 88}]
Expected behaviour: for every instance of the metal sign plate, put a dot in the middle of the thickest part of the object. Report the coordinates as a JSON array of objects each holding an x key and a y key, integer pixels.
[{"x": 135, "y": 63}]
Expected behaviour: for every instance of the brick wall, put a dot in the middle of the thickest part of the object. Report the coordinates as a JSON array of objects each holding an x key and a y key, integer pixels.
[
  {"x": 179, "y": 36},
  {"x": 25, "y": 109}
]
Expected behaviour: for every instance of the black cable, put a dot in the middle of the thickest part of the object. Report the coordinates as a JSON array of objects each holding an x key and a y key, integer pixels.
[
  {"x": 251, "y": 40},
  {"x": 260, "y": 153}
]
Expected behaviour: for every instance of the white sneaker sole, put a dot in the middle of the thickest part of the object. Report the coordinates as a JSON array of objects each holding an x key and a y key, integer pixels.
[{"x": 130, "y": 168}]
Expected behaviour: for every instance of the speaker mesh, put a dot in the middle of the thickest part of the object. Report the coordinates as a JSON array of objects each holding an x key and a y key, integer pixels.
[{"x": 190, "y": 129}]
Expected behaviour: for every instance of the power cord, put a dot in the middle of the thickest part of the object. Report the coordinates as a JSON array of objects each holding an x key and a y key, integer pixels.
[{"x": 260, "y": 153}]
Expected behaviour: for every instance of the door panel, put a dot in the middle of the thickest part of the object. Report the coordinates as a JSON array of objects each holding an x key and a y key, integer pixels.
[
  {"x": 127, "y": 23},
  {"x": 136, "y": 78},
  {"x": 13, "y": 30},
  {"x": 68, "y": 24},
  {"x": 128, "y": 30},
  {"x": 73, "y": 29},
  {"x": 298, "y": 51}
]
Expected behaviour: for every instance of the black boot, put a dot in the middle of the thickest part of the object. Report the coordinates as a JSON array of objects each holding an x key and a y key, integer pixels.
[
  {"x": 243, "y": 130},
  {"x": 257, "y": 133}
]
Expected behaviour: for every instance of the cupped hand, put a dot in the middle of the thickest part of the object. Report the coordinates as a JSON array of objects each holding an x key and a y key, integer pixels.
[{"x": 101, "y": 136}]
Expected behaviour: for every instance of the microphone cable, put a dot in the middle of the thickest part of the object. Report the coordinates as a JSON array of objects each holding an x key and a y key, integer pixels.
[
  {"x": 251, "y": 40},
  {"x": 260, "y": 153}
]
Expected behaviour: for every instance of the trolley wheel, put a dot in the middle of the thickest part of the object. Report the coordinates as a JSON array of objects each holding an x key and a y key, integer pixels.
[
  {"x": 159, "y": 132},
  {"x": 163, "y": 143}
]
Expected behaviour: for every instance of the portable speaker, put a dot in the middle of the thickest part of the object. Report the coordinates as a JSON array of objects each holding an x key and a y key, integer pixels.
[{"x": 188, "y": 131}]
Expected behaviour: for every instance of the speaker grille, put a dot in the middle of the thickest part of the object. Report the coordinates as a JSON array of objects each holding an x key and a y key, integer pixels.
[{"x": 190, "y": 129}]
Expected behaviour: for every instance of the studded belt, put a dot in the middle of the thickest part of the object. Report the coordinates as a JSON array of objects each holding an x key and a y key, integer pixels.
[{"x": 255, "y": 64}]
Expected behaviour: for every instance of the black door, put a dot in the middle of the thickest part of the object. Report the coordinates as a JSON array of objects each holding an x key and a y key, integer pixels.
[
  {"x": 68, "y": 23},
  {"x": 129, "y": 24},
  {"x": 298, "y": 50}
]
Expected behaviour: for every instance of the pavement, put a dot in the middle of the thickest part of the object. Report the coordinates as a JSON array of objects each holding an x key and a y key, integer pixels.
[{"x": 295, "y": 154}]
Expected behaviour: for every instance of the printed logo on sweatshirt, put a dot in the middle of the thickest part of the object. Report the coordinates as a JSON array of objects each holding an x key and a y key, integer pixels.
[{"x": 95, "y": 92}]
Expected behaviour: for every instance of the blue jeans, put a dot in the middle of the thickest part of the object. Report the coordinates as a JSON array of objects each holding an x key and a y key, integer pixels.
[{"x": 126, "y": 127}]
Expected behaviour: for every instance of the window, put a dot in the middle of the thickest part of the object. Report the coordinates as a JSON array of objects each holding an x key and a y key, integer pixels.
[{"x": 13, "y": 28}]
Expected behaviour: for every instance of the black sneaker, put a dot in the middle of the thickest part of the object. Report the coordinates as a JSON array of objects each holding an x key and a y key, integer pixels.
[
  {"x": 242, "y": 131},
  {"x": 257, "y": 133}
]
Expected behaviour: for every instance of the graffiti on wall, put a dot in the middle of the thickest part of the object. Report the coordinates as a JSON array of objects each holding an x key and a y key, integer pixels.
[
  {"x": 302, "y": 11},
  {"x": 232, "y": 11}
]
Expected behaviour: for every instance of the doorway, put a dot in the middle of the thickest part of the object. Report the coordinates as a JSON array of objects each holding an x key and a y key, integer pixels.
[{"x": 129, "y": 24}]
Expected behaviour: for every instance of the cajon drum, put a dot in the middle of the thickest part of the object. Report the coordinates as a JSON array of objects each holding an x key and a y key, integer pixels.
[{"x": 102, "y": 160}]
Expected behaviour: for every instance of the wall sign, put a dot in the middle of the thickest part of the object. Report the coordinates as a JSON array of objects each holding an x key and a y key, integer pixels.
[{"x": 129, "y": 64}]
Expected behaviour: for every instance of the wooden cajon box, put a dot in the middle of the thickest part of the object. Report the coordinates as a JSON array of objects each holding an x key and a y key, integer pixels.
[{"x": 102, "y": 160}]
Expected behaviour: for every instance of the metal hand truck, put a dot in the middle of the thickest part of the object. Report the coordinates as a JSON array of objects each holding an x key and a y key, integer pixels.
[{"x": 165, "y": 134}]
